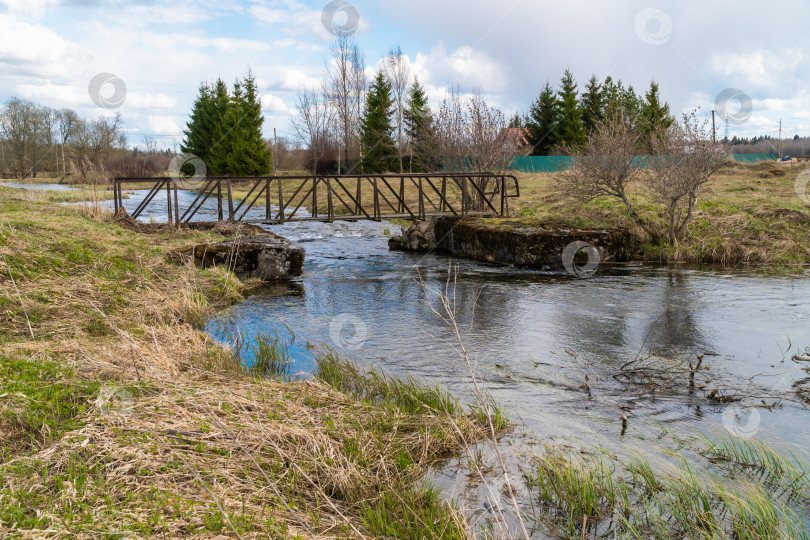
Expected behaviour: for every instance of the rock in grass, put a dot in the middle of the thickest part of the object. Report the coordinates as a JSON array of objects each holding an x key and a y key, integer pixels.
[{"x": 265, "y": 256}]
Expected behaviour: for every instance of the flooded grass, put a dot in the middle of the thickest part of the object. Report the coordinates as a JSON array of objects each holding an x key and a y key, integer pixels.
[
  {"x": 785, "y": 470},
  {"x": 410, "y": 395},
  {"x": 595, "y": 495}
]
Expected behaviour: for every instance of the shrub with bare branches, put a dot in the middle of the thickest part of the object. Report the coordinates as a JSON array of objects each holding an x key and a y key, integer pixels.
[
  {"x": 684, "y": 158},
  {"x": 321, "y": 156},
  {"x": 469, "y": 135},
  {"x": 140, "y": 166},
  {"x": 605, "y": 167}
]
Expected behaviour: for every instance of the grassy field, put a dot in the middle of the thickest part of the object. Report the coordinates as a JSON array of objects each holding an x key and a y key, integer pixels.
[
  {"x": 746, "y": 214},
  {"x": 120, "y": 418}
]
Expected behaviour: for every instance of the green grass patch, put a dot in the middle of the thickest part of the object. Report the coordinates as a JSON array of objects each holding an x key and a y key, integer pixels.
[
  {"x": 412, "y": 512},
  {"x": 409, "y": 395},
  {"x": 40, "y": 401}
]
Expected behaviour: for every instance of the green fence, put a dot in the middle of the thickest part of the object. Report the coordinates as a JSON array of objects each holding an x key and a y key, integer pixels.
[
  {"x": 540, "y": 164},
  {"x": 755, "y": 158},
  {"x": 544, "y": 164}
]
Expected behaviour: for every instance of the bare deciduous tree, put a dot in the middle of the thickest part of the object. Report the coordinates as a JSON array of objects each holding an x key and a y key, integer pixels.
[
  {"x": 95, "y": 142},
  {"x": 469, "y": 135},
  {"x": 21, "y": 124},
  {"x": 684, "y": 158},
  {"x": 68, "y": 123},
  {"x": 398, "y": 73},
  {"x": 359, "y": 91},
  {"x": 313, "y": 124},
  {"x": 605, "y": 166},
  {"x": 345, "y": 88}
]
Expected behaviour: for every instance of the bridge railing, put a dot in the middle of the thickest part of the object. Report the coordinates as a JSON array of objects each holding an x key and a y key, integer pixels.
[{"x": 326, "y": 197}]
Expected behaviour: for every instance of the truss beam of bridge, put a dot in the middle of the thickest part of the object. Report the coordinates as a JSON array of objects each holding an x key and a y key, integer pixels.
[{"x": 280, "y": 199}]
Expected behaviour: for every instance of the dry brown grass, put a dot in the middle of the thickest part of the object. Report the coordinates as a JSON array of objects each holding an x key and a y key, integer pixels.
[{"x": 176, "y": 441}]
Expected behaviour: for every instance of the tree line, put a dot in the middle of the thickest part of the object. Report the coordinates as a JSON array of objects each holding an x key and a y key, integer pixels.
[
  {"x": 795, "y": 146},
  {"x": 225, "y": 129},
  {"x": 560, "y": 120},
  {"x": 386, "y": 125},
  {"x": 36, "y": 138}
]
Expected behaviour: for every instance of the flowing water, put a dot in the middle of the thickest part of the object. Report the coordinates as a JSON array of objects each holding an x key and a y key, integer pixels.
[
  {"x": 46, "y": 187},
  {"x": 548, "y": 346}
]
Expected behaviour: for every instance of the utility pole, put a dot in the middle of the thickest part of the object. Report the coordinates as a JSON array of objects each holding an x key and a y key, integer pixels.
[
  {"x": 779, "y": 145},
  {"x": 714, "y": 130},
  {"x": 275, "y": 149}
]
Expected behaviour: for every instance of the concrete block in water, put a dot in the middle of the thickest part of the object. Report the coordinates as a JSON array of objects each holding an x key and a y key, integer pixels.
[{"x": 265, "y": 256}]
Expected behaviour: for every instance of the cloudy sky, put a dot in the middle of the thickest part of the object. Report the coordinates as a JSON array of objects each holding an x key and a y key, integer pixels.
[{"x": 51, "y": 50}]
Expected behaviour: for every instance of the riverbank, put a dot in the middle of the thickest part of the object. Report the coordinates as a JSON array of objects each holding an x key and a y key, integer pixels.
[
  {"x": 746, "y": 214},
  {"x": 118, "y": 416}
]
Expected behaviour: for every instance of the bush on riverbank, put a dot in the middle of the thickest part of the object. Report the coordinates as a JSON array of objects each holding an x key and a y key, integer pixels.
[{"x": 117, "y": 417}]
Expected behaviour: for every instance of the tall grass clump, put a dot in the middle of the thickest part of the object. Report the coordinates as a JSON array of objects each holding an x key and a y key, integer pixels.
[
  {"x": 262, "y": 354},
  {"x": 412, "y": 513},
  {"x": 574, "y": 490},
  {"x": 409, "y": 395},
  {"x": 787, "y": 472}
]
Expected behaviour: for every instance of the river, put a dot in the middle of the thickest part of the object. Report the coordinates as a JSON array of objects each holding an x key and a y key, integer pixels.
[{"x": 535, "y": 336}]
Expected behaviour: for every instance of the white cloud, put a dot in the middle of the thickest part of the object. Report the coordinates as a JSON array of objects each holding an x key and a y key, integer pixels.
[
  {"x": 56, "y": 95},
  {"x": 24, "y": 43},
  {"x": 469, "y": 68},
  {"x": 274, "y": 104},
  {"x": 758, "y": 68},
  {"x": 150, "y": 101},
  {"x": 294, "y": 79},
  {"x": 164, "y": 125}
]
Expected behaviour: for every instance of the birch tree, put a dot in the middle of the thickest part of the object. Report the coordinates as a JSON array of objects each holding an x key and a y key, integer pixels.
[
  {"x": 398, "y": 73},
  {"x": 345, "y": 87}
]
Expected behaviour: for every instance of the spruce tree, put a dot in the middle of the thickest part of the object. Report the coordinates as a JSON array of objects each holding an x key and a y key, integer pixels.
[
  {"x": 203, "y": 128},
  {"x": 570, "y": 130},
  {"x": 592, "y": 105},
  {"x": 613, "y": 94},
  {"x": 379, "y": 150},
  {"x": 419, "y": 129},
  {"x": 250, "y": 155},
  {"x": 227, "y": 133},
  {"x": 199, "y": 129},
  {"x": 620, "y": 100},
  {"x": 225, "y": 130},
  {"x": 516, "y": 121},
  {"x": 632, "y": 105},
  {"x": 653, "y": 116},
  {"x": 540, "y": 122}
]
